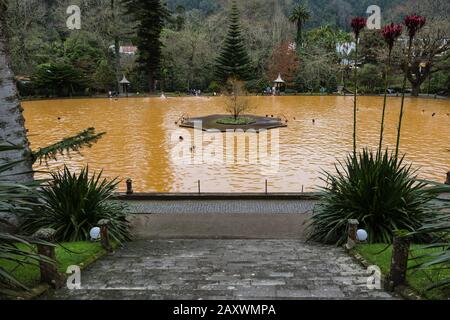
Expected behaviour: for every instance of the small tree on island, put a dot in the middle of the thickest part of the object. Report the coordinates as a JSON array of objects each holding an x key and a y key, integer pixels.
[{"x": 237, "y": 101}]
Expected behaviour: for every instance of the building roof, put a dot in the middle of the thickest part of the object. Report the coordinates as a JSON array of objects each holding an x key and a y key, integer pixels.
[
  {"x": 279, "y": 79},
  {"x": 131, "y": 50},
  {"x": 124, "y": 80},
  {"x": 128, "y": 49},
  {"x": 345, "y": 48}
]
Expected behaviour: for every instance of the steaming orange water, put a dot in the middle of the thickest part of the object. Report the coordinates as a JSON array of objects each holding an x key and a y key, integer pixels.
[{"x": 138, "y": 141}]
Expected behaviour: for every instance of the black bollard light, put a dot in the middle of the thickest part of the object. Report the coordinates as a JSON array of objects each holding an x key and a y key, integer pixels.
[{"x": 129, "y": 186}]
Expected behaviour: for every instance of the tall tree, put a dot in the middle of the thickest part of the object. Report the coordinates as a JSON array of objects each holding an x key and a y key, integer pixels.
[
  {"x": 12, "y": 122},
  {"x": 116, "y": 45},
  {"x": 150, "y": 16},
  {"x": 284, "y": 61},
  {"x": 299, "y": 16},
  {"x": 188, "y": 57},
  {"x": 430, "y": 54},
  {"x": 234, "y": 61}
]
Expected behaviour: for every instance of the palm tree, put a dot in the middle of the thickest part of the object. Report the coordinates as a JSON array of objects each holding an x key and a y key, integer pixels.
[
  {"x": 11, "y": 117},
  {"x": 300, "y": 15}
]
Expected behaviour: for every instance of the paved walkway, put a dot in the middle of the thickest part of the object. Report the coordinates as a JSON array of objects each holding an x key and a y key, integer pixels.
[
  {"x": 224, "y": 269},
  {"x": 219, "y": 226},
  {"x": 220, "y": 219},
  {"x": 221, "y": 206}
]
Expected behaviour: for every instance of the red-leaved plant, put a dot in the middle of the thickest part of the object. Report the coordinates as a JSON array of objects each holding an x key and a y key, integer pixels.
[
  {"x": 414, "y": 23},
  {"x": 358, "y": 23},
  {"x": 390, "y": 33}
]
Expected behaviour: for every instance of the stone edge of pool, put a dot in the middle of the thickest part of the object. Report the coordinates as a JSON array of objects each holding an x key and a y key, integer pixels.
[{"x": 218, "y": 196}]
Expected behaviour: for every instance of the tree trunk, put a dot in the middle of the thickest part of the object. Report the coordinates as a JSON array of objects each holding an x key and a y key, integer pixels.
[
  {"x": 299, "y": 34},
  {"x": 417, "y": 76},
  {"x": 416, "y": 81},
  {"x": 116, "y": 48},
  {"x": 415, "y": 89},
  {"x": 151, "y": 82},
  {"x": 12, "y": 122}
]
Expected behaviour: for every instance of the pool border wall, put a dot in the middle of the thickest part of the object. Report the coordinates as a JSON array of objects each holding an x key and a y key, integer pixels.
[{"x": 218, "y": 196}]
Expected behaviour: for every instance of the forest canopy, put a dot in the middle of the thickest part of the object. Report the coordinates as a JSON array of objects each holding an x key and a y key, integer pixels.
[{"x": 87, "y": 61}]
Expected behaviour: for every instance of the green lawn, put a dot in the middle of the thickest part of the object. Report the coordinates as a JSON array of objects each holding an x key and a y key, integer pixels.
[
  {"x": 238, "y": 121},
  {"x": 75, "y": 253},
  {"x": 417, "y": 279}
]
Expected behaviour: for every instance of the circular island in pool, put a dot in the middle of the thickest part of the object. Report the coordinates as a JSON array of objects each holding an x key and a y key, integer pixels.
[{"x": 226, "y": 122}]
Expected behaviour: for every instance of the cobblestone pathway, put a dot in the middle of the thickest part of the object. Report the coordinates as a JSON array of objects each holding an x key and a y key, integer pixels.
[
  {"x": 224, "y": 269},
  {"x": 221, "y": 206}
]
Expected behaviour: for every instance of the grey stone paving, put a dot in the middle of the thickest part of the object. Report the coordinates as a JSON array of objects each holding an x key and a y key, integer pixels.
[
  {"x": 221, "y": 206},
  {"x": 224, "y": 269}
]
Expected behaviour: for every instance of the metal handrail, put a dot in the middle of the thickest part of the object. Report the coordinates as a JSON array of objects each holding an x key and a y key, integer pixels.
[{"x": 199, "y": 190}]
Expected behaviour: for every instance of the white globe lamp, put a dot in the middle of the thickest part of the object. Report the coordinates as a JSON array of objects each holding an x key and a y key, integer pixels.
[
  {"x": 95, "y": 233},
  {"x": 361, "y": 235}
]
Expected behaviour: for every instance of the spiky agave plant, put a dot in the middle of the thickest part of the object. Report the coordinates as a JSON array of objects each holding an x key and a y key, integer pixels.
[
  {"x": 72, "y": 204},
  {"x": 378, "y": 190}
]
